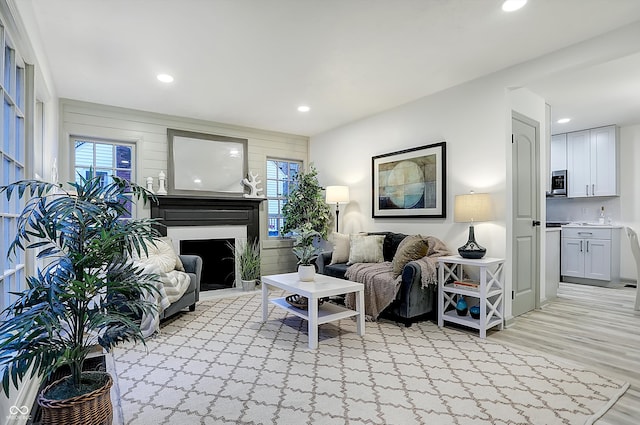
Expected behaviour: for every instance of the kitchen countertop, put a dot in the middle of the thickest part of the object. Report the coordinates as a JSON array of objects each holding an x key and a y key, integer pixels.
[
  {"x": 553, "y": 229},
  {"x": 592, "y": 226}
]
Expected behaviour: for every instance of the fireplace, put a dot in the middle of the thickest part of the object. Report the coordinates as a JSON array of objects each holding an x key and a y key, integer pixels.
[
  {"x": 203, "y": 225},
  {"x": 218, "y": 267}
]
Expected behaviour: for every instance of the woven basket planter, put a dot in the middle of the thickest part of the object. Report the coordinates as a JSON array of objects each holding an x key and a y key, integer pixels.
[{"x": 93, "y": 408}]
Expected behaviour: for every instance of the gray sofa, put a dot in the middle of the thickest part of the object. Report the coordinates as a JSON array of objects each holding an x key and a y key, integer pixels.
[
  {"x": 193, "y": 267},
  {"x": 412, "y": 302}
]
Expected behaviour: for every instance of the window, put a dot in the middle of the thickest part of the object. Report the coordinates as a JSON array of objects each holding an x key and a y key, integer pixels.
[
  {"x": 281, "y": 176},
  {"x": 13, "y": 161},
  {"x": 104, "y": 159}
]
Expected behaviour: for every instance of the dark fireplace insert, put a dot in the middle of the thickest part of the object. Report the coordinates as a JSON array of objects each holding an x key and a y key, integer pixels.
[{"x": 218, "y": 265}]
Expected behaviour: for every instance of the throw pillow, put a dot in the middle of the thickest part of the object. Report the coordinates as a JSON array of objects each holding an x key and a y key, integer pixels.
[
  {"x": 411, "y": 248},
  {"x": 179, "y": 265},
  {"x": 340, "y": 243},
  {"x": 365, "y": 249},
  {"x": 160, "y": 254}
]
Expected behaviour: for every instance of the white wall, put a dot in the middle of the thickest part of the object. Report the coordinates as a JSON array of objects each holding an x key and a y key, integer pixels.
[
  {"x": 149, "y": 132},
  {"x": 629, "y": 195},
  {"x": 470, "y": 118}
]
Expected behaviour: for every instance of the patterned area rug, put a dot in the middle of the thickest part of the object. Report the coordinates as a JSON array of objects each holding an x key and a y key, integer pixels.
[{"x": 221, "y": 365}]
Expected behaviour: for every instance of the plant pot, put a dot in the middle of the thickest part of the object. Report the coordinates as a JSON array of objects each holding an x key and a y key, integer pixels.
[
  {"x": 249, "y": 285},
  {"x": 93, "y": 408},
  {"x": 306, "y": 273}
]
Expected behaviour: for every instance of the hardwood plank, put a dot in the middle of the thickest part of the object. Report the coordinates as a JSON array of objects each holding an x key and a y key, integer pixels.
[{"x": 593, "y": 326}]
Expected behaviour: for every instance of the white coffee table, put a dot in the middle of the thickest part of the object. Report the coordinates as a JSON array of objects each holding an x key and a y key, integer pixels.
[{"x": 323, "y": 286}]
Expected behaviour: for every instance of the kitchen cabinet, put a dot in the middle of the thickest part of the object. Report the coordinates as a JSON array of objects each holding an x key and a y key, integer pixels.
[
  {"x": 552, "y": 261},
  {"x": 558, "y": 152},
  {"x": 592, "y": 162},
  {"x": 590, "y": 253}
]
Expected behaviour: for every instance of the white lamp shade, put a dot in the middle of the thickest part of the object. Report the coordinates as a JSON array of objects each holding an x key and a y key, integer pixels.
[
  {"x": 472, "y": 208},
  {"x": 337, "y": 194}
]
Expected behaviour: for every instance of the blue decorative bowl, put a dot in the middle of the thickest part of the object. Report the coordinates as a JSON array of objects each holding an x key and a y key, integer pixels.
[{"x": 475, "y": 312}]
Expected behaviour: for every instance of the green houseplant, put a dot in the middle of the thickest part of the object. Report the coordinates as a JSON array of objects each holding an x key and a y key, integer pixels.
[
  {"x": 247, "y": 255},
  {"x": 86, "y": 292},
  {"x": 306, "y": 251},
  {"x": 306, "y": 205}
]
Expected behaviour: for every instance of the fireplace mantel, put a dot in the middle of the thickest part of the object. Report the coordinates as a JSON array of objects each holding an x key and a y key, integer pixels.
[{"x": 181, "y": 210}]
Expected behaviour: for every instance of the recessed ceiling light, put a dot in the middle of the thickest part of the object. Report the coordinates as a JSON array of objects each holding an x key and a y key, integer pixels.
[
  {"x": 563, "y": 120},
  {"x": 303, "y": 108},
  {"x": 165, "y": 78},
  {"x": 512, "y": 5}
]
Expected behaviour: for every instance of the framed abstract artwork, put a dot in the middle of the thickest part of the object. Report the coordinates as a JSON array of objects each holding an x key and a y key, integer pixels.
[{"x": 410, "y": 183}]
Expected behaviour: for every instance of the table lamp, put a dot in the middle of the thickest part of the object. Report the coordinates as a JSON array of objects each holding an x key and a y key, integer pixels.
[
  {"x": 472, "y": 208},
  {"x": 337, "y": 195}
]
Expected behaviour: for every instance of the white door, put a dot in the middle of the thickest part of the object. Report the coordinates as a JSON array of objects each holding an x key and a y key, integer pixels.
[
  {"x": 526, "y": 258},
  {"x": 572, "y": 257},
  {"x": 578, "y": 164},
  {"x": 597, "y": 261}
]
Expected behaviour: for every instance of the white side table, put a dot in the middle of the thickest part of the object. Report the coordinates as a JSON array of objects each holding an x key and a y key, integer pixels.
[{"x": 490, "y": 292}]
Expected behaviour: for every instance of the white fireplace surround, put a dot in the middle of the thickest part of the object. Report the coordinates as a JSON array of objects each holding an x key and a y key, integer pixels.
[{"x": 180, "y": 233}]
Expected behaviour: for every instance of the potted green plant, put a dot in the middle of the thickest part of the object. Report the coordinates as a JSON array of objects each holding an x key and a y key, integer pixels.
[
  {"x": 247, "y": 255},
  {"x": 306, "y": 251},
  {"x": 306, "y": 205},
  {"x": 86, "y": 292}
]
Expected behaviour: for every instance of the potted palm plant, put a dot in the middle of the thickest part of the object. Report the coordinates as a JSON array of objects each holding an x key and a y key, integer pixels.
[
  {"x": 86, "y": 291},
  {"x": 247, "y": 255},
  {"x": 306, "y": 251}
]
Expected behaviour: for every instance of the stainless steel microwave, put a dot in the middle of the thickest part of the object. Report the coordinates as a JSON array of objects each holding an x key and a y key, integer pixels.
[{"x": 559, "y": 183}]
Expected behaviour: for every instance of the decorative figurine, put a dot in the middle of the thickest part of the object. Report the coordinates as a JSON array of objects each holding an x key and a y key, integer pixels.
[
  {"x": 252, "y": 183},
  {"x": 150, "y": 184},
  {"x": 161, "y": 181}
]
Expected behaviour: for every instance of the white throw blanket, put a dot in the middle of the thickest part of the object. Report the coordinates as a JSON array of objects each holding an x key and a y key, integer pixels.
[{"x": 171, "y": 287}]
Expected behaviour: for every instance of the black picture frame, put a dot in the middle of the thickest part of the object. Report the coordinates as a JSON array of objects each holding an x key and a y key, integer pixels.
[{"x": 410, "y": 183}]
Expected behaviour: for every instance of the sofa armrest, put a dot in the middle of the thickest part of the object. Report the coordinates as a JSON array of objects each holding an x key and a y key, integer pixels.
[
  {"x": 411, "y": 276},
  {"x": 323, "y": 259},
  {"x": 192, "y": 264}
]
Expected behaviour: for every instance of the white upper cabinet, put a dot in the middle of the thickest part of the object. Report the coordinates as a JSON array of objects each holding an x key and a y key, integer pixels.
[
  {"x": 592, "y": 162},
  {"x": 558, "y": 152},
  {"x": 604, "y": 161}
]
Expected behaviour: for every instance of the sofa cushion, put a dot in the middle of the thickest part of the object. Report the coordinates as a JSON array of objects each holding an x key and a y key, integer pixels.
[
  {"x": 411, "y": 248},
  {"x": 391, "y": 242},
  {"x": 336, "y": 270},
  {"x": 365, "y": 249},
  {"x": 341, "y": 245}
]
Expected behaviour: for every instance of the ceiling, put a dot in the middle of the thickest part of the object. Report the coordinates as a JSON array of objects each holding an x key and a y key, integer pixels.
[{"x": 253, "y": 62}]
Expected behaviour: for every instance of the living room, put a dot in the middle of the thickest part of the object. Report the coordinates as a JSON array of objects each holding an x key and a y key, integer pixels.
[{"x": 471, "y": 113}]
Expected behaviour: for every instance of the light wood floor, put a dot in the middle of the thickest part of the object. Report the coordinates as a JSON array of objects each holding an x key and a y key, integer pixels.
[{"x": 594, "y": 326}]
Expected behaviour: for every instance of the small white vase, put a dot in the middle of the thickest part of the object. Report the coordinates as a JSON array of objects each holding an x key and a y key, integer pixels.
[{"x": 306, "y": 273}]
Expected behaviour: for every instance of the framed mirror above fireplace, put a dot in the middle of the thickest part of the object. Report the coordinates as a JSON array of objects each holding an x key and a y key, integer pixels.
[{"x": 206, "y": 164}]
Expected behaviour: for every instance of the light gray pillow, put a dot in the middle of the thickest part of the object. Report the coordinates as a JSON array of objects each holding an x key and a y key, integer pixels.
[
  {"x": 340, "y": 243},
  {"x": 410, "y": 248},
  {"x": 365, "y": 249}
]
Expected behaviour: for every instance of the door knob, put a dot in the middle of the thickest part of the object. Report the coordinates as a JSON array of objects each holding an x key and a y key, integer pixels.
[{"x": 535, "y": 223}]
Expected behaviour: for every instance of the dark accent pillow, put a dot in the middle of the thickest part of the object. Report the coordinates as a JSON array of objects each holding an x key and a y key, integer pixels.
[{"x": 411, "y": 248}]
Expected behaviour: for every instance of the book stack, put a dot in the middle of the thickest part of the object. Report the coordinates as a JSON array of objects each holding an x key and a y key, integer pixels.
[{"x": 467, "y": 284}]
